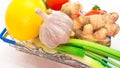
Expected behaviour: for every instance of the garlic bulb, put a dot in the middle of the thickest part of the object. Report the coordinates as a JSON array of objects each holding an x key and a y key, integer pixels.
[{"x": 56, "y": 28}]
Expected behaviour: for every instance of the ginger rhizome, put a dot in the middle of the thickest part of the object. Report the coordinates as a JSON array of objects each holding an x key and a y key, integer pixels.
[{"x": 97, "y": 28}]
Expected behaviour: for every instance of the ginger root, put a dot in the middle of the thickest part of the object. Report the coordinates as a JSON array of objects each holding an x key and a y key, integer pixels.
[
  {"x": 72, "y": 9},
  {"x": 96, "y": 28},
  {"x": 97, "y": 21}
]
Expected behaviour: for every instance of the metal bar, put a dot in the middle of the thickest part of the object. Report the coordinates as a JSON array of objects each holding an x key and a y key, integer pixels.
[
  {"x": 38, "y": 51},
  {"x": 5, "y": 39}
]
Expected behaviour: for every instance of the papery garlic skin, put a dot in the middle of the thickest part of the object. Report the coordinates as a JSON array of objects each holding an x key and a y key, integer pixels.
[{"x": 56, "y": 29}]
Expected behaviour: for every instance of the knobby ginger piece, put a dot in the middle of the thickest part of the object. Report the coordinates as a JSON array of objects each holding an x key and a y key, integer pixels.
[
  {"x": 87, "y": 33},
  {"x": 72, "y": 9},
  {"x": 88, "y": 29},
  {"x": 101, "y": 34},
  {"x": 80, "y": 22},
  {"x": 97, "y": 28},
  {"x": 97, "y": 21},
  {"x": 112, "y": 29}
]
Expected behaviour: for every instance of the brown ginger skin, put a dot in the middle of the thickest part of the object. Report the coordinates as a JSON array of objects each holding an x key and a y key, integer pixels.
[
  {"x": 72, "y": 9},
  {"x": 96, "y": 28},
  {"x": 97, "y": 21},
  {"x": 100, "y": 27}
]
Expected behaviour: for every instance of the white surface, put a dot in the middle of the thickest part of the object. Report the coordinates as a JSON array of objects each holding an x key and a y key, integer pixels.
[{"x": 10, "y": 58}]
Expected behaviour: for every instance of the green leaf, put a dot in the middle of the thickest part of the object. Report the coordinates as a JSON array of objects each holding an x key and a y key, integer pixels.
[{"x": 96, "y": 7}]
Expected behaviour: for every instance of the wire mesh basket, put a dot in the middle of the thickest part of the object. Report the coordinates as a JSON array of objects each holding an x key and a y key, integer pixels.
[{"x": 34, "y": 47}]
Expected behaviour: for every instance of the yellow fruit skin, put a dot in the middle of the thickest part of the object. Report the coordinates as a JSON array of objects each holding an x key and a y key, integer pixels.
[{"x": 22, "y": 22}]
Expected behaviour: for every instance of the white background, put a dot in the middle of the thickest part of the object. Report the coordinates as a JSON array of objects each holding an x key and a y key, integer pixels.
[{"x": 10, "y": 58}]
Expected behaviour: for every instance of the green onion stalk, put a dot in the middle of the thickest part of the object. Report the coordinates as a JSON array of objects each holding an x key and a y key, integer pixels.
[{"x": 94, "y": 50}]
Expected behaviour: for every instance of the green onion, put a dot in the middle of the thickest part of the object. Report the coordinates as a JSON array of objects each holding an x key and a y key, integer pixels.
[
  {"x": 80, "y": 48},
  {"x": 103, "y": 58},
  {"x": 97, "y": 48},
  {"x": 68, "y": 49},
  {"x": 101, "y": 61},
  {"x": 102, "y": 52},
  {"x": 76, "y": 51}
]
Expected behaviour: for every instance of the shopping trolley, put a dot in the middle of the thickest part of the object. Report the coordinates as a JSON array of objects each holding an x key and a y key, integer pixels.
[{"x": 33, "y": 47}]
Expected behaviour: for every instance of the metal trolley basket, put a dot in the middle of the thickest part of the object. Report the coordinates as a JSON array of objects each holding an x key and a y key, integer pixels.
[{"x": 32, "y": 47}]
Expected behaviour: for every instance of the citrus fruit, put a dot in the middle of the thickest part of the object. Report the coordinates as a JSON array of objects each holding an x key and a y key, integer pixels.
[{"x": 22, "y": 23}]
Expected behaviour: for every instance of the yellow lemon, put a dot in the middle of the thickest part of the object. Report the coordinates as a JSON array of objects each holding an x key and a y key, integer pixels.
[{"x": 22, "y": 22}]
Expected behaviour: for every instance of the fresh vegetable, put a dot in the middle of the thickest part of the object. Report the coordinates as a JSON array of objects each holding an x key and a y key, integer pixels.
[
  {"x": 95, "y": 12},
  {"x": 56, "y": 28},
  {"x": 67, "y": 48},
  {"x": 96, "y": 28},
  {"x": 105, "y": 59},
  {"x": 80, "y": 52},
  {"x": 21, "y": 21},
  {"x": 101, "y": 61},
  {"x": 97, "y": 21},
  {"x": 97, "y": 48},
  {"x": 90, "y": 49},
  {"x": 96, "y": 7},
  {"x": 64, "y": 49},
  {"x": 55, "y": 4},
  {"x": 72, "y": 9}
]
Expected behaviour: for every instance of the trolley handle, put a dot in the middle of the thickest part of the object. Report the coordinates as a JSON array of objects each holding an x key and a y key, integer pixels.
[{"x": 5, "y": 39}]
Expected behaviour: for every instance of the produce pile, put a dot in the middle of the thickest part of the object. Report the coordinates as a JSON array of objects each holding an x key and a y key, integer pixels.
[{"x": 62, "y": 26}]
